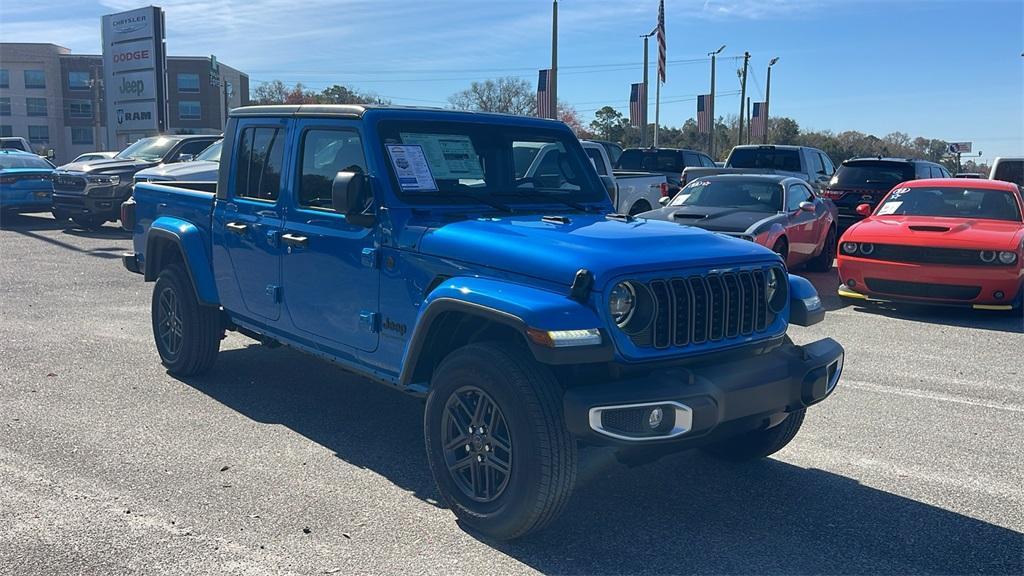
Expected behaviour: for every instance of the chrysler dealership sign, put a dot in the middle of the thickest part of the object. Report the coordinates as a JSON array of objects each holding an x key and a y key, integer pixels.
[{"x": 135, "y": 74}]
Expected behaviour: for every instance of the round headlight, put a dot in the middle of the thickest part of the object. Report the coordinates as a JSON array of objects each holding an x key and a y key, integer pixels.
[
  {"x": 987, "y": 256},
  {"x": 1007, "y": 257},
  {"x": 778, "y": 290},
  {"x": 850, "y": 247},
  {"x": 867, "y": 249},
  {"x": 622, "y": 303}
]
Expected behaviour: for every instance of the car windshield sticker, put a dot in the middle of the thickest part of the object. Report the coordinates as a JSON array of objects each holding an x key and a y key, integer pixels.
[
  {"x": 451, "y": 156},
  {"x": 411, "y": 167},
  {"x": 889, "y": 208},
  {"x": 899, "y": 192}
]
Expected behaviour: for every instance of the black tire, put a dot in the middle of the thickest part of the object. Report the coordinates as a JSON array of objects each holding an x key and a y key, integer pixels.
[
  {"x": 823, "y": 262},
  {"x": 758, "y": 443},
  {"x": 781, "y": 247},
  {"x": 639, "y": 207},
  {"x": 541, "y": 456},
  {"x": 193, "y": 342},
  {"x": 89, "y": 222},
  {"x": 60, "y": 215}
]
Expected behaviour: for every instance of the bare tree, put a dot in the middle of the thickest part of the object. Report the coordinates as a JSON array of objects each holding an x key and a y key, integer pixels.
[{"x": 509, "y": 95}]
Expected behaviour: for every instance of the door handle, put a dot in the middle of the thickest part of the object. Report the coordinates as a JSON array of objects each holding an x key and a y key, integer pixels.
[
  {"x": 237, "y": 227},
  {"x": 293, "y": 240}
]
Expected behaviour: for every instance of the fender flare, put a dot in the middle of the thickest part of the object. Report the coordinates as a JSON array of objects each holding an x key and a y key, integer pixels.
[
  {"x": 189, "y": 240},
  {"x": 514, "y": 305}
]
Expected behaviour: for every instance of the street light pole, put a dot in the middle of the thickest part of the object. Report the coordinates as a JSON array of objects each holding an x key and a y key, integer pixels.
[
  {"x": 711, "y": 108},
  {"x": 768, "y": 98},
  {"x": 743, "y": 95}
]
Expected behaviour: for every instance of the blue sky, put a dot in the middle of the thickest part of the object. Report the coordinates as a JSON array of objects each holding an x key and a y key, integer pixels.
[{"x": 940, "y": 69}]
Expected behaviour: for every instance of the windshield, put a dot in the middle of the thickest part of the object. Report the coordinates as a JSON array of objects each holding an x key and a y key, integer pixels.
[
  {"x": 872, "y": 174},
  {"x": 652, "y": 160},
  {"x": 766, "y": 158},
  {"x": 23, "y": 161},
  {"x": 1010, "y": 171},
  {"x": 148, "y": 149},
  {"x": 951, "y": 203},
  {"x": 749, "y": 194},
  {"x": 212, "y": 152},
  {"x": 491, "y": 162}
]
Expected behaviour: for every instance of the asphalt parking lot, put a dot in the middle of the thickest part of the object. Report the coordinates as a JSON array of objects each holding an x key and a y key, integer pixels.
[{"x": 276, "y": 463}]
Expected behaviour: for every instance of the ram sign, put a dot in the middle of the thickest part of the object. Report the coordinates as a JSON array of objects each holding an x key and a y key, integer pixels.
[{"x": 135, "y": 74}]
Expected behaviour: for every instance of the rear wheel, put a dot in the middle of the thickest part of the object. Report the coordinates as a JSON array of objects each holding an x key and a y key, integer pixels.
[
  {"x": 496, "y": 440},
  {"x": 758, "y": 443},
  {"x": 187, "y": 333},
  {"x": 823, "y": 262}
]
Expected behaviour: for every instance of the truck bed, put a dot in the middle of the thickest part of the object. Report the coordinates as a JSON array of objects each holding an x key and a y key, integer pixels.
[{"x": 174, "y": 205}]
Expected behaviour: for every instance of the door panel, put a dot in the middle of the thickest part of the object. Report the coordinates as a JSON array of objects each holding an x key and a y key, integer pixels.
[
  {"x": 247, "y": 222},
  {"x": 331, "y": 279},
  {"x": 800, "y": 224}
]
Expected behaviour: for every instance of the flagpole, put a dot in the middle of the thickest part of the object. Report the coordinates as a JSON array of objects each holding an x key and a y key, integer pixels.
[
  {"x": 657, "y": 109},
  {"x": 554, "y": 59},
  {"x": 643, "y": 105}
]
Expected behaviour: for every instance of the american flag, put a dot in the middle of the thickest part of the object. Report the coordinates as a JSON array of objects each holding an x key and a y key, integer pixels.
[
  {"x": 543, "y": 96},
  {"x": 704, "y": 113},
  {"x": 757, "y": 119},
  {"x": 637, "y": 105},
  {"x": 660, "y": 30}
]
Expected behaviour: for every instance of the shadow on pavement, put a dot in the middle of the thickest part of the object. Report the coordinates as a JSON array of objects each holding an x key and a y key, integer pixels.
[
  {"x": 33, "y": 221},
  {"x": 684, "y": 514},
  {"x": 827, "y": 284},
  {"x": 32, "y": 225}
]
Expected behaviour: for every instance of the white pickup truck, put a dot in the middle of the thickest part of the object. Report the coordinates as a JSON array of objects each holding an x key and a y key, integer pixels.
[{"x": 631, "y": 192}]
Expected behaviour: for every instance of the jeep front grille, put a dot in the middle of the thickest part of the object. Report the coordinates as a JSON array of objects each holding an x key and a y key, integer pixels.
[{"x": 712, "y": 307}]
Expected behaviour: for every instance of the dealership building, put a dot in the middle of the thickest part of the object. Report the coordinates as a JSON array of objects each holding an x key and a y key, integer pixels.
[{"x": 56, "y": 99}]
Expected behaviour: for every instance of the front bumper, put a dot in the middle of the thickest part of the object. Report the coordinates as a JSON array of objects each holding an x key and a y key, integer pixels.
[
  {"x": 975, "y": 286},
  {"x": 108, "y": 208},
  {"x": 710, "y": 402}
]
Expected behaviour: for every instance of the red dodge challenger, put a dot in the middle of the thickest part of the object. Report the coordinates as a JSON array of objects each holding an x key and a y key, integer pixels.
[{"x": 942, "y": 241}]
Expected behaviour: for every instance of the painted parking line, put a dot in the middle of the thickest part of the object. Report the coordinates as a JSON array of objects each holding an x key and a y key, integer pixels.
[{"x": 938, "y": 397}]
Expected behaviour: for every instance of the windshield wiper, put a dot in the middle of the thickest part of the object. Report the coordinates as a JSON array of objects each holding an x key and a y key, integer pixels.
[
  {"x": 541, "y": 195},
  {"x": 480, "y": 199}
]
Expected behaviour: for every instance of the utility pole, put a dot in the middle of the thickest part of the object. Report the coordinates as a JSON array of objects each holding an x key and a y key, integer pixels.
[
  {"x": 711, "y": 111},
  {"x": 643, "y": 105},
  {"x": 768, "y": 98},
  {"x": 743, "y": 96},
  {"x": 554, "y": 59}
]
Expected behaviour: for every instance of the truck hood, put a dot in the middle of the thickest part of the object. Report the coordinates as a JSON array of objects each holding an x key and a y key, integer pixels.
[
  {"x": 113, "y": 165},
  {"x": 196, "y": 170},
  {"x": 729, "y": 220},
  {"x": 938, "y": 232},
  {"x": 530, "y": 246}
]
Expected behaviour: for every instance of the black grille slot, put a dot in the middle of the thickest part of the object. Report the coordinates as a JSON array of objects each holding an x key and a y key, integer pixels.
[
  {"x": 699, "y": 309},
  {"x": 684, "y": 311},
  {"x": 927, "y": 255},
  {"x": 749, "y": 302},
  {"x": 717, "y": 306},
  {"x": 68, "y": 183},
  {"x": 926, "y": 290},
  {"x": 663, "y": 314}
]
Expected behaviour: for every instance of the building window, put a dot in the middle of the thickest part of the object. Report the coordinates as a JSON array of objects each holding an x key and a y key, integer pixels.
[
  {"x": 189, "y": 110},
  {"x": 6, "y": 131},
  {"x": 35, "y": 79},
  {"x": 5, "y": 79},
  {"x": 81, "y": 135},
  {"x": 39, "y": 134},
  {"x": 35, "y": 106},
  {"x": 80, "y": 108},
  {"x": 78, "y": 80},
  {"x": 188, "y": 82},
  {"x": 5, "y": 106}
]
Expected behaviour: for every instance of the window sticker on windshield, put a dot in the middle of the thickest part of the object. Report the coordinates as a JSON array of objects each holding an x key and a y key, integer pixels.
[
  {"x": 411, "y": 167},
  {"x": 899, "y": 192},
  {"x": 451, "y": 156},
  {"x": 889, "y": 208}
]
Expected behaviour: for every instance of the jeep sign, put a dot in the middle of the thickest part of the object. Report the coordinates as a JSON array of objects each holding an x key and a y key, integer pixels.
[{"x": 135, "y": 74}]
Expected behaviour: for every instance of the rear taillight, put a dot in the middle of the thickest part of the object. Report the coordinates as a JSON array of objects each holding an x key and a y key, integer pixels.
[
  {"x": 664, "y": 189},
  {"x": 8, "y": 179},
  {"x": 832, "y": 194},
  {"x": 128, "y": 214}
]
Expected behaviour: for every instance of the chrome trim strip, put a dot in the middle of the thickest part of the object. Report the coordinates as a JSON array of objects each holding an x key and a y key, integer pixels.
[{"x": 683, "y": 420}]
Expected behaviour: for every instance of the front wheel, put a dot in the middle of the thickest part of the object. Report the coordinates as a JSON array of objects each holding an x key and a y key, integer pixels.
[
  {"x": 89, "y": 222},
  {"x": 823, "y": 261},
  {"x": 500, "y": 453},
  {"x": 187, "y": 333},
  {"x": 758, "y": 443}
]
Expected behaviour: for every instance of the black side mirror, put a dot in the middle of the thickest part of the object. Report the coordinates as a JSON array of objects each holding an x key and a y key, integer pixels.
[{"x": 349, "y": 193}]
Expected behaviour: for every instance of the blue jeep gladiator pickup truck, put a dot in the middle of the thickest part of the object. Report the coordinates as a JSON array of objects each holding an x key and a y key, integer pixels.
[{"x": 408, "y": 246}]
